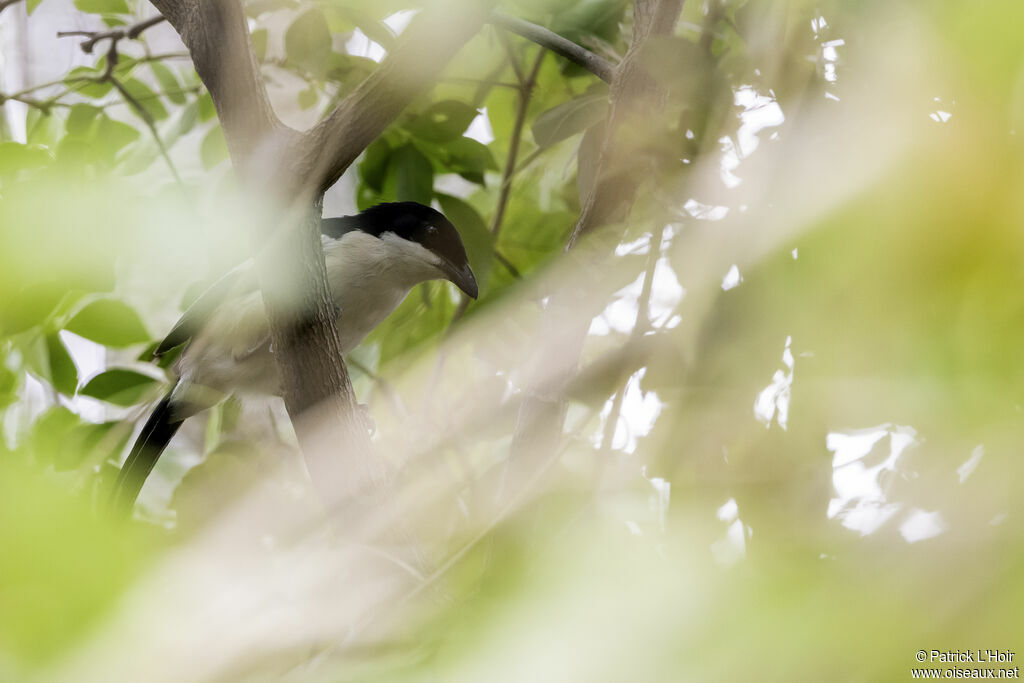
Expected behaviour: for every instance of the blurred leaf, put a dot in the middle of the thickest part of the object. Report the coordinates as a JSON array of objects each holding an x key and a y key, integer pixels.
[
  {"x": 168, "y": 81},
  {"x": 569, "y": 118},
  {"x": 410, "y": 176},
  {"x": 102, "y": 6},
  {"x": 15, "y": 157},
  {"x": 63, "y": 372},
  {"x": 41, "y": 129},
  {"x": 109, "y": 322},
  {"x": 442, "y": 121},
  {"x": 259, "y": 40},
  {"x": 66, "y": 570},
  {"x": 119, "y": 386},
  {"x": 373, "y": 168},
  {"x": 590, "y": 17},
  {"x": 30, "y": 5},
  {"x": 258, "y": 7},
  {"x": 307, "y": 98},
  {"x": 9, "y": 383},
  {"x": 475, "y": 235},
  {"x": 80, "y": 442},
  {"x": 307, "y": 42},
  {"x": 49, "y": 432},
  {"x": 146, "y": 98},
  {"x": 206, "y": 109},
  {"x": 214, "y": 148},
  {"x": 80, "y": 119},
  {"x": 31, "y": 305}
]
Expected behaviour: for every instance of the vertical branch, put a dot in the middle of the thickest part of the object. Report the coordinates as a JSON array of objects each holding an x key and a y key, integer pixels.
[{"x": 634, "y": 96}]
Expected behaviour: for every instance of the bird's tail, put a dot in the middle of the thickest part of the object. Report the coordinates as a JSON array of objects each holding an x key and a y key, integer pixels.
[{"x": 161, "y": 426}]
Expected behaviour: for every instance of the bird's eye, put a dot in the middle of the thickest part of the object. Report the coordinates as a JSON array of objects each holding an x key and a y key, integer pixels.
[{"x": 432, "y": 230}]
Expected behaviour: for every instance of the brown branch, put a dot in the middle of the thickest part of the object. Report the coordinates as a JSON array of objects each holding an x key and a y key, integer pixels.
[
  {"x": 633, "y": 97},
  {"x": 432, "y": 39},
  {"x": 525, "y": 91},
  {"x": 131, "y": 32},
  {"x": 563, "y": 47}
]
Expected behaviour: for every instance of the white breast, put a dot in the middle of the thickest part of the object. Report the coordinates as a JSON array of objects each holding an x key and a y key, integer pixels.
[{"x": 368, "y": 277}]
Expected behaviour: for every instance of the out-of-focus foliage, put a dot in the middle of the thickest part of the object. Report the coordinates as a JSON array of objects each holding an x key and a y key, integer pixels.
[{"x": 790, "y": 450}]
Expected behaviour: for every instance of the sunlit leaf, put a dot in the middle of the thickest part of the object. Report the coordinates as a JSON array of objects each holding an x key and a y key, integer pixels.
[
  {"x": 109, "y": 322},
  {"x": 168, "y": 81},
  {"x": 82, "y": 80},
  {"x": 214, "y": 148},
  {"x": 307, "y": 42},
  {"x": 102, "y": 6},
  {"x": 145, "y": 97},
  {"x": 119, "y": 386}
]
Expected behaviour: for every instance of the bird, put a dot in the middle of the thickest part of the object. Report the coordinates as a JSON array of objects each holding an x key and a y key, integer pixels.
[{"x": 373, "y": 260}]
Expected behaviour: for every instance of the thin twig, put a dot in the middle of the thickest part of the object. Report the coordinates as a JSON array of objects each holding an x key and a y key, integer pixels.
[
  {"x": 599, "y": 66},
  {"x": 131, "y": 32},
  {"x": 509, "y": 266},
  {"x": 525, "y": 91}
]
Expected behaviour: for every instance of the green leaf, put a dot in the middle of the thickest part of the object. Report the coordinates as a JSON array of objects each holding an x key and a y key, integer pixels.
[
  {"x": 146, "y": 98},
  {"x": 109, "y": 322},
  {"x": 475, "y": 236},
  {"x": 442, "y": 121},
  {"x": 168, "y": 81},
  {"x": 373, "y": 168},
  {"x": 83, "y": 439},
  {"x": 214, "y": 148},
  {"x": 206, "y": 109},
  {"x": 30, "y": 5},
  {"x": 81, "y": 118},
  {"x": 102, "y": 6},
  {"x": 9, "y": 383},
  {"x": 119, "y": 386},
  {"x": 16, "y": 157},
  {"x": 41, "y": 128},
  {"x": 307, "y": 42},
  {"x": 470, "y": 158},
  {"x": 49, "y": 432},
  {"x": 307, "y": 98},
  {"x": 259, "y": 42},
  {"x": 80, "y": 81},
  {"x": 410, "y": 176},
  {"x": 63, "y": 372},
  {"x": 567, "y": 119},
  {"x": 114, "y": 135}
]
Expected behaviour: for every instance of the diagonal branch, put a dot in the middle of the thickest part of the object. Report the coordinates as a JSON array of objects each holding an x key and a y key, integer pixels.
[
  {"x": 563, "y": 47},
  {"x": 432, "y": 39},
  {"x": 216, "y": 33}
]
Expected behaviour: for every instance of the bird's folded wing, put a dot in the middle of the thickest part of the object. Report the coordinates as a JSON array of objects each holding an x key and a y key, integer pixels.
[{"x": 196, "y": 317}]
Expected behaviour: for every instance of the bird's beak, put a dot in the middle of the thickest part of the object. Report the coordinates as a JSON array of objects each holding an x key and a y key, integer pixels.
[{"x": 462, "y": 277}]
